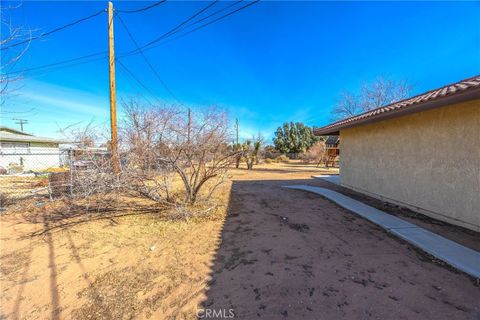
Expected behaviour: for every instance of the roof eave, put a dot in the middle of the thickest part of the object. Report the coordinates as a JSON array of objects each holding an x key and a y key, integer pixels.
[
  {"x": 462, "y": 96},
  {"x": 29, "y": 140}
]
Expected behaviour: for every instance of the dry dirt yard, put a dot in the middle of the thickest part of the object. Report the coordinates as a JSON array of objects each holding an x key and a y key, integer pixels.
[{"x": 269, "y": 253}]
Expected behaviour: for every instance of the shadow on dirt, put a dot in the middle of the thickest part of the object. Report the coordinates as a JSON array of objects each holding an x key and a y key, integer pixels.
[{"x": 293, "y": 254}]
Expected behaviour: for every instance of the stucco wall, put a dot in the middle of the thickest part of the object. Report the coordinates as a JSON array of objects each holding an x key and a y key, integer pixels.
[{"x": 428, "y": 161}]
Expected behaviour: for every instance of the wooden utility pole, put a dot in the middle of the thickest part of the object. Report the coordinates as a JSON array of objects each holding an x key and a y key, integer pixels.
[
  {"x": 21, "y": 122},
  {"x": 236, "y": 128},
  {"x": 189, "y": 125},
  {"x": 113, "y": 100}
]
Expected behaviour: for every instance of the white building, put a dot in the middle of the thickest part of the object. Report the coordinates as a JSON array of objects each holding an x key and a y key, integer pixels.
[{"x": 25, "y": 152}]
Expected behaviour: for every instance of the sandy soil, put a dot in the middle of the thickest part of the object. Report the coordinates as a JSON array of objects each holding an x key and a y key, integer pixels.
[{"x": 272, "y": 253}]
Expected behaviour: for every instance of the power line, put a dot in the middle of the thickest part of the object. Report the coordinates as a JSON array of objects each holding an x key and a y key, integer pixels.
[
  {"x": 168, "y": 33},
  {"x": 217, "y": 19},
  {"x": 131, "y": 74},
  {"x": 136, "y": 51},
  {"x": 132, "y": 81},
  {"x": 44, "y": 71},
  {"x": 54, "y": 30},
  {"x": 16, "y": 112},
  {"x": 216, "y": 12},
  {"x": 60, "y": 62},
  {"x": 178, "y": 29},
  {"x": 146, "y": 60},
  {"x": 142, "y": 9},
  {"x": 133, "y": 84}
]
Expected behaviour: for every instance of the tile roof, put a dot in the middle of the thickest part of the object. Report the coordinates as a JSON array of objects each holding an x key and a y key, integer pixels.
[{"x": 407, "y": 105}]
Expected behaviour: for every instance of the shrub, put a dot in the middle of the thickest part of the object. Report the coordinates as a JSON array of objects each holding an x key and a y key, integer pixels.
[
  {"x": 269, "y": 152},
  {"x": 5, "y": 200},
  {"x": 14, "y": 168},
  {"x": 282, "y": 158},
  {"x": 315, "y": 153},
  {"x": 56, "y": 169}
]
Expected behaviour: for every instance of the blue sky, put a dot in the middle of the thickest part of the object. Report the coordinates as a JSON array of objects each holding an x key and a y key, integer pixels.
[{"x": 273, "y": 62}]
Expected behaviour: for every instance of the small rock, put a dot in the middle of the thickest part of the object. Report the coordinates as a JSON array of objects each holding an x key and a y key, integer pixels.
[{"x": 152, "y": 248}]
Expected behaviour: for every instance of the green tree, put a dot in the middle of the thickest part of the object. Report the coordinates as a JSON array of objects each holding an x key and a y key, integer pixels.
[{"x": 294, "y": 138}]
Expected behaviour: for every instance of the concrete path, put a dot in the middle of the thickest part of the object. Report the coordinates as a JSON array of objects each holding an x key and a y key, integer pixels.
[
  {"x": 458, "y": 256},
  {"x": 333, "y": 178}
]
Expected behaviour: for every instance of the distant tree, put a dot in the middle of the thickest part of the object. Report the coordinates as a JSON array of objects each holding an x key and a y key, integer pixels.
[
  {"x": 251, "y": 149},
  {"x": 238, "y": 149},
  {"x": 379, "y": 93},
  {"x": 293, "y": 138},
  {"x": 348, "y": 105}
]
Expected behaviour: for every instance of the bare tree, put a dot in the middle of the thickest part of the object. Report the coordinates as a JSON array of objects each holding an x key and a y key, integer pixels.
[
  {"x": 82, "y": 136},
  {"x": 382, "y": 92},
  {"x": 167, "y": 143},
  {"x": 347, "y": 106},
  {"x": 11, "y": 54},
  {"x": 89, "y": 167},
  {"x": 379, "y": 93},
  {"x": 170, "y": 155}
]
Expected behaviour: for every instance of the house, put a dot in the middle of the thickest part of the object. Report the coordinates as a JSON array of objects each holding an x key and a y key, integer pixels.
[
  {"x": 422, "y": 153},
  {"x": 20, "y": 151},
  {"x": 332, "y": 150}
]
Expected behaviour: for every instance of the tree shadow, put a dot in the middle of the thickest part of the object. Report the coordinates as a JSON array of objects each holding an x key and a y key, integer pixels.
[
  {"x": 72, "y": 214},
  {"x": 279, "y": 170},
  {"x": 23, "y": 283},
  {"x": 292, "y": 254},
  {"x": 54, "y": 293}
]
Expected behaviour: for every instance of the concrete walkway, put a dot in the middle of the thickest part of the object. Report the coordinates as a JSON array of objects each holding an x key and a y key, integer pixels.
[
  {"x": 458, "y": 256},
  {"x": 333, "y": 178}
]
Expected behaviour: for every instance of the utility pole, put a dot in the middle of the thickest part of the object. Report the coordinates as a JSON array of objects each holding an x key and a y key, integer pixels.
[
  {"x": 113, "y": 102},
  {"x": 236, "y": 128},
  {"x": 21, "y": 122},
  {"x": 189, "y": 125}
]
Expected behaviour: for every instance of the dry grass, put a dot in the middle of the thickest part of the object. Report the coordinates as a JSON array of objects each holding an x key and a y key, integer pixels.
[
  {"x": 19, "y": 187},
  {"x": 121, "y": 260}
]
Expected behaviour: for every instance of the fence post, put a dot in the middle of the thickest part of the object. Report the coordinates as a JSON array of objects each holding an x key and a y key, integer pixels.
[{"x": 70, "y": 167}]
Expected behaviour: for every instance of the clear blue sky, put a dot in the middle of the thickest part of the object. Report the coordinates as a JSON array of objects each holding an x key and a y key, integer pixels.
[{"x": 273, "y": 62}]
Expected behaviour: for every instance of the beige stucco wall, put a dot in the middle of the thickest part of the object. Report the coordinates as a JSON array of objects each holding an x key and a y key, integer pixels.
[{"x": 428, "y": 161}]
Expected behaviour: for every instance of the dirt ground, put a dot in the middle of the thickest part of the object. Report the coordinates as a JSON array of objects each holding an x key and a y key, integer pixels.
[{"x": 270, "y": 253}]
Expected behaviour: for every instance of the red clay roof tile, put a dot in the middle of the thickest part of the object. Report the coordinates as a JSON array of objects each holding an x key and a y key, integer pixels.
[{"x": 448, "y": 90}]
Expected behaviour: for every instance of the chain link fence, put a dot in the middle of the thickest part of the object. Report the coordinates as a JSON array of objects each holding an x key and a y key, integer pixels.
[{"x": 45, "y": 172}]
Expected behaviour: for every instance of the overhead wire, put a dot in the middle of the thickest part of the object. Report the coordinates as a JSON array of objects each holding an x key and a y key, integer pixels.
[
  {"x": 54, "y": 30},
  {"x": 61, "y": 62},
  {"x": 66, "y": 63},
  {"x": 215, "y": 20},
  {"x": 132, "y": 75},
  {"x": 173, "y": 30},
  {"x": 105, "y": 52},
  {"x": 150, "y": 65},
  {"x": 178, "y": 29},
  {"x": 142, "y": 9},
  {"x": 134, "y": 83}
]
